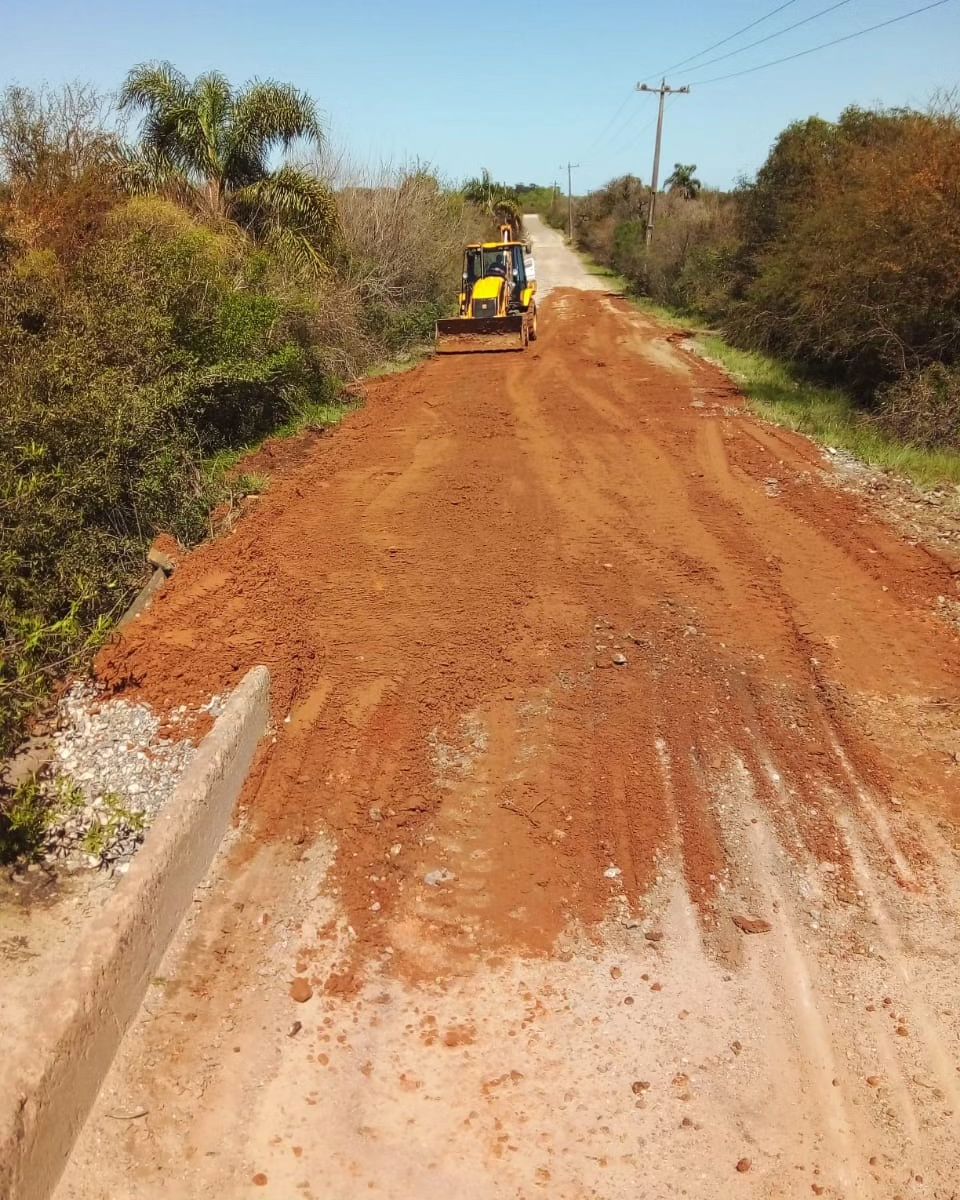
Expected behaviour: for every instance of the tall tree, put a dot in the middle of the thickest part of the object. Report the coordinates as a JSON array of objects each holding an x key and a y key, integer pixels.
[
  {"x": 211, "y": 147},
  {"x": 683, "y": 180}
]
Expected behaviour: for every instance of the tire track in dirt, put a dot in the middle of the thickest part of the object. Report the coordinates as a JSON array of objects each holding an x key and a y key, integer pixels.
[{"x": 441, "y": 589}]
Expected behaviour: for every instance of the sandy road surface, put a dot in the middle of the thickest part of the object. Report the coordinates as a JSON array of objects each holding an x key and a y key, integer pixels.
[
  {"x": 694, "y": 932},
  {"x": 556, "y": 266}
]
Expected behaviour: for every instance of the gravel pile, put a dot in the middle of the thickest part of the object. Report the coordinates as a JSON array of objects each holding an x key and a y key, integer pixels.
[{"x": 112, "y": 771}]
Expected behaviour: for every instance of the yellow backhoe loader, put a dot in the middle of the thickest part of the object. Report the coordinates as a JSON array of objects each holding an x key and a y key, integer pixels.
[{"x": 498, "y": 310}]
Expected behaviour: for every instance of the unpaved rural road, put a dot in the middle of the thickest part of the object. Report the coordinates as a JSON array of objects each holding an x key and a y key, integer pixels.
[{"x": 694, "y": 931}]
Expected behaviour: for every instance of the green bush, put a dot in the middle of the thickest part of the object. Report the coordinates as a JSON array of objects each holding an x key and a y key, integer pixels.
[
  {"x": 396, "y": 328},
  {"x": 852, "y": 247},
  {"x": 162, "y": 345},
  {"x": 923, "y": 407},
  {"x": 628, "y": 252},
  {"x": 146, "y": 343},
  {"x": 842, "y": 256}
]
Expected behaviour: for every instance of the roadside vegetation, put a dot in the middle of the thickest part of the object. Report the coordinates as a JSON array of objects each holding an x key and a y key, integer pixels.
[
  {"x": 832, "y": 279},
  {"x": 180, "y": 276}
]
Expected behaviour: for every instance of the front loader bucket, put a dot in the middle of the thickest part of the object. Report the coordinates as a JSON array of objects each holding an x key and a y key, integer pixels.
[{"x": 466, "y": 335}]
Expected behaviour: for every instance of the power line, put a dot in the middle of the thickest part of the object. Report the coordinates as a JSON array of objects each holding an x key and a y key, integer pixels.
[
  {"x": 632, "y": 141},
  {"x": 823, "y": 45},
  {"x": 770, "y": 36},
  {"x": 716, "y": 45},
  {"x": 609, "y": 125}
]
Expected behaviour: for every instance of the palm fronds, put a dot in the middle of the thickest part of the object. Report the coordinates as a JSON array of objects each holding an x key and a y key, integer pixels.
[{"x": 208, "y": 145}]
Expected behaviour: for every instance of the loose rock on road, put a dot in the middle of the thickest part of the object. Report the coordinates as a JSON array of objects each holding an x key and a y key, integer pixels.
[{"x": 606, "y": 845}]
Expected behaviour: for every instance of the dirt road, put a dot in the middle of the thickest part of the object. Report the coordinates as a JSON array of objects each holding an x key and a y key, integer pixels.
[{"x": 610, "y": 822}]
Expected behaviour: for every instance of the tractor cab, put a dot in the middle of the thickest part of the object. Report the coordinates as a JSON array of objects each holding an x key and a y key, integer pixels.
[
  {"x": 497, "y": 310},
  {"x": 495, "y": 278},
  {"x": 496, "y": 261}
]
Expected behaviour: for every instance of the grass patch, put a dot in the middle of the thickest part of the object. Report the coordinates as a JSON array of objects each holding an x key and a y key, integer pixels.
[
  {"x": 404, "y": 361},
  {"x": 615, "y": 281},
  {"x": 323, "y": 415},
  {"x": 28, "y": 814},
  {"x": 221, "y": 469},
  {"x": 779, "y": 393}
]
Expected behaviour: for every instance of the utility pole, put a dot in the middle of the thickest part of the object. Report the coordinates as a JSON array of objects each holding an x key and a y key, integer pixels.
[
  {"x": 571, "y": 167},
  {"x": 663, "y": 91}
]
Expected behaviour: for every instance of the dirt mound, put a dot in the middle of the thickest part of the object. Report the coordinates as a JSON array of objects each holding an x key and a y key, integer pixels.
[{"x": 532, "y": 615}]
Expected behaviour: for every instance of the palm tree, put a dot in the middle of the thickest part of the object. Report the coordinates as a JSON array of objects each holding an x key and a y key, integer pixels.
[
  {"x": 499, "y": 202},
  {"x": 684, "y": 181},
  {"x": 209, "y": 147}
]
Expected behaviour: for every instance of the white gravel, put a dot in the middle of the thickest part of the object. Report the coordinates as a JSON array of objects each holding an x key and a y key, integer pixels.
[{"x": 112, "y": 771}]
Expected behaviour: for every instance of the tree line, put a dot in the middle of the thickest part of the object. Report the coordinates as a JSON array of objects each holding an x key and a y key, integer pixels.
[
  {"x": 183, "y": 269},
  {"x": 842, "y": 255}
]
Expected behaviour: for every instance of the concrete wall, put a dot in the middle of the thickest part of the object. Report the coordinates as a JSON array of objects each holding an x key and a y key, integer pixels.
[{"x": 49, "y": 1087}]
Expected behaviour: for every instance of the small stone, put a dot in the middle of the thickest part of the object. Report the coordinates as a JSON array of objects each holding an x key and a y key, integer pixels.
[
  {"x": 743, "y": 1166},
  {"x": 295, "y": 1029},
  {"x": 873, "y": 1081},
  {"x": 300, "y": 990},
  {"x": 619, "y": 660},
  {"x": 612, "y": 873},
  {"x": 159, "y": 554},
  {"x": 653, "y": 935},
  {"x": 751, "y": 924},
  {"x": 639, "y": 1085},
  {"x": 436, "y": 878},
  {"x": 376, "y": 814}
]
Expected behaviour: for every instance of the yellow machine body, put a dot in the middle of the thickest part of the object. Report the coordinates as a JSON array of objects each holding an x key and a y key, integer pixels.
[{"x": 497, "y": 301}]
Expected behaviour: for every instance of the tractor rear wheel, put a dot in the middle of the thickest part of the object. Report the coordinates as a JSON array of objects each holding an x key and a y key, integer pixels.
[{"x": 533, "y": 323}]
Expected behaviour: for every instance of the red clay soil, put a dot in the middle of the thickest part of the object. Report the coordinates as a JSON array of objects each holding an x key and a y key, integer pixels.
[{"x": 442, "y": 588}]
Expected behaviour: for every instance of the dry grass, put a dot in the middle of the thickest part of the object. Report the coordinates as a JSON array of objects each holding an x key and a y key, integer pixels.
[{"x": 403, "y": 232}]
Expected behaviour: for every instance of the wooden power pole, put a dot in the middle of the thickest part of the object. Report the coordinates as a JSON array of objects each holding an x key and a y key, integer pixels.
[
  {"x": 663, "y": 92},
  {"x": 571, "y": 167}
]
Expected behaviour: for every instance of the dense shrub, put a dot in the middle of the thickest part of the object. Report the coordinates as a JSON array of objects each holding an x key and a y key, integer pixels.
[
  {"x": 160, "y": 346},
  {"x": 923, "y": 407},
  {"x": 402, "y": 238},
  {"x": 143, "y": 341},
  {"x": 58, "y": 159},
  {"x": 853, "y": 241},
  {"x": 842, "y": 255}
]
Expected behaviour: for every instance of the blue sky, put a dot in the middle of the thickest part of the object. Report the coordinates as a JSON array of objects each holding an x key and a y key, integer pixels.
[{"x": 436, "y": 81}]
